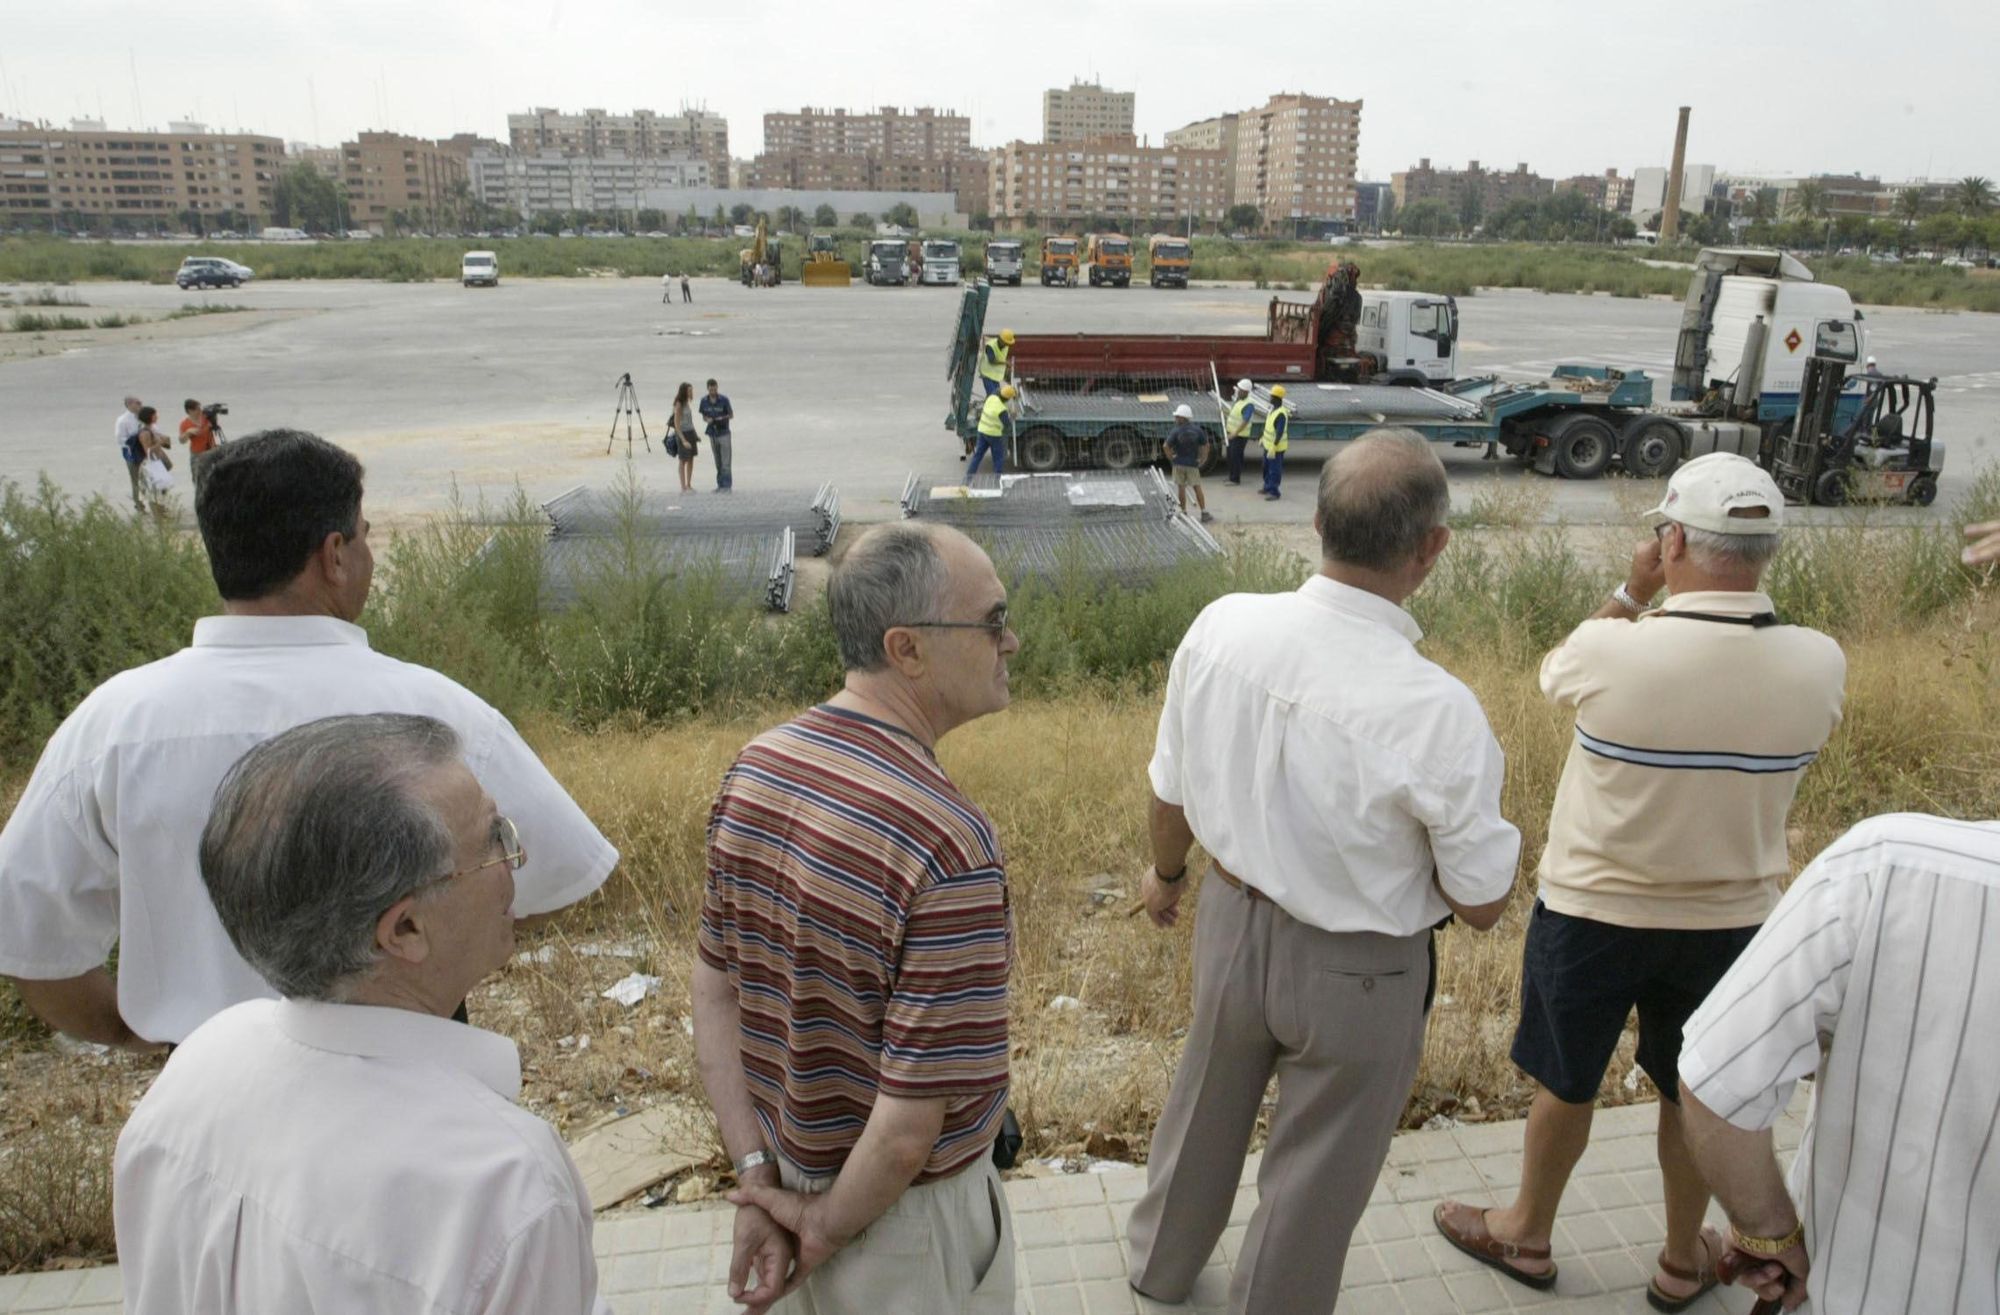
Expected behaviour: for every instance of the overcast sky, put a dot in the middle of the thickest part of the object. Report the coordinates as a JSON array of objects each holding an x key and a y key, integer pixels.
[{"x": 1569, "y": 86}]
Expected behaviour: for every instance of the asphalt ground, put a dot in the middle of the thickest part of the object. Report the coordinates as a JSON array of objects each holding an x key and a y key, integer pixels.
[{"x": 445, "y": 391}]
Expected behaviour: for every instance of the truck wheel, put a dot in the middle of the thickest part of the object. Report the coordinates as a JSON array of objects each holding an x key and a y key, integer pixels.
[
  {"x": 1583, "y": 447},
  {"x": 1120, "y": 449},
  {"x": 1652, "y": 448},
  {"x": 1830, "y": 489},
  {"x": 1923, "y": 490},
  {"x": 1040, "y": 449}
]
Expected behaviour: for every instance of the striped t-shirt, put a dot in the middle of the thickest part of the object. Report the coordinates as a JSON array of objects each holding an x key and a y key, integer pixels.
[
  {"x": 859, "y": 904},
  {"x": 1879, "y": 972}
]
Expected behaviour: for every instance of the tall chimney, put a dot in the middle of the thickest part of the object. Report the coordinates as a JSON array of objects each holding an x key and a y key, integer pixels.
[{"x": 1670, "y": 221}]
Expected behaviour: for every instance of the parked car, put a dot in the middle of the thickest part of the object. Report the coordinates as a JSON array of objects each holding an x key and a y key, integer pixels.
[{"x": 211, "y": 272}]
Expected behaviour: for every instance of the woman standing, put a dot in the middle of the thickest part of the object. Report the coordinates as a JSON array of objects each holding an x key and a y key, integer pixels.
[
  {"x": 683, "y": 423},
  {"x": 155, "y": 466}
]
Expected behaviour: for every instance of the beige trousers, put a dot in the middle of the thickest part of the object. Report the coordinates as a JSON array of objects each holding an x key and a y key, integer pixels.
[
  {"x": 1339, "y": 1017},
  {"x": 945, "y": 1248}
]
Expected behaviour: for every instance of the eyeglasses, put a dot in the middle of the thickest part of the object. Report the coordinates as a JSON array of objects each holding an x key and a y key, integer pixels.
[
  {"x": 995, "y": 625},
  {"x": 513, "y": 853}
]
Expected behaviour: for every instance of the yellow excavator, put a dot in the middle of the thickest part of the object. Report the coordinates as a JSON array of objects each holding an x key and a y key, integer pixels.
[
  {"x": 824, "y": 266},
  {"x": 762, "y": 254}
]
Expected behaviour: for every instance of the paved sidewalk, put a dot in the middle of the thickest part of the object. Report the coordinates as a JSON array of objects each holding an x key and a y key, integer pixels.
[{"x": 1072, "y": 1253}]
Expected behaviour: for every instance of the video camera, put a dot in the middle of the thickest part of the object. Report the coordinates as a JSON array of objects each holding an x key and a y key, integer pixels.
[{"x": 215, "y": 409}]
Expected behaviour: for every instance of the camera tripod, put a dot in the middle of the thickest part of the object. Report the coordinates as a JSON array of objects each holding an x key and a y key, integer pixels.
[{"x": 627, "y": 410}]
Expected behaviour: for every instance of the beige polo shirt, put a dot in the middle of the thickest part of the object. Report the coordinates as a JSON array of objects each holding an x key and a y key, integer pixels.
[{"x": 1691, "y": 739}]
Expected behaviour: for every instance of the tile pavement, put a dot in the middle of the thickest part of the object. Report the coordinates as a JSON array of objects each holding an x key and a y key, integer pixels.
[{"x": 1070, "y": 1231}]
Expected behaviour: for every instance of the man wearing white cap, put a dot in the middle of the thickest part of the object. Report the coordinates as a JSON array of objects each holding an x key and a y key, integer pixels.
[
  {"x": 1694, "y": 723},
  {"x": 1242, "y": 412},
  {"x": 1187, "y": 448}
]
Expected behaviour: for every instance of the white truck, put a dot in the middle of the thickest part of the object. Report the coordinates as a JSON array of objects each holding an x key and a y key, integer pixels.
[
  {"x": 888, "y": 262},
  {"x": 940, "y": 263},
  {"x": 1412, "y": 336},
  {"x": 477, "y": 268},
  {"x": 1004, "y": 263}
]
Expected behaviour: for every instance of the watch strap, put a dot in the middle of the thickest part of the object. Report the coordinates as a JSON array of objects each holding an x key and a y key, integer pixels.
[{"x": 754, "y": 1160}]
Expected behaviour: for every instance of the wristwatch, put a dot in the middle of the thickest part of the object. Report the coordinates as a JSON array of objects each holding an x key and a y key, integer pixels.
[
  {"x": 1166, "y": 880},
  {"x": 754, "y": 1160},
  {"x": 1768, "y": 1248},
  {"x": 1623, "y": 597}
]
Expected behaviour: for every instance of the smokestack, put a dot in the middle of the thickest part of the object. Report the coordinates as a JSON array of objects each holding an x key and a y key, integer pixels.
[{"x": 1670, "y": 221}]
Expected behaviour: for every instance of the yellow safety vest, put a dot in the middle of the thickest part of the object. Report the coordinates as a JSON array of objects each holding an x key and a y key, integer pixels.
[
  {"x": 1277, "y": 431},
  {"x": 993, "y": 417},
  {"x": 993, "y": 360},
  {"x": 1239, "y": 418}
]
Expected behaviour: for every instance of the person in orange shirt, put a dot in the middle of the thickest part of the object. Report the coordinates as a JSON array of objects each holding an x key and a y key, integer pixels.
[{"x": 197, "y": 430}]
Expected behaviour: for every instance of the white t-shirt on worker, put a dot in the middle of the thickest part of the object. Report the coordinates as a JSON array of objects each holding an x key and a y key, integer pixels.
[
  {"x": 1321, "y": 759},
  {"x": 301, "y": 1156},
  {"x": 102, "y": 847}
]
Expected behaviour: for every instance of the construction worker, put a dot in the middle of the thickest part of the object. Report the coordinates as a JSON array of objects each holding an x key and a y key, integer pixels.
[
  {"x": 1276, "y": 438},
  {"x": 993, "y": 422},
  {"x": 1236, "y": 431},
  {"x": 993, "y": 361}
]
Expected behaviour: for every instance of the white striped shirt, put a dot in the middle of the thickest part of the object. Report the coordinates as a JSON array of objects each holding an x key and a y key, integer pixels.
[{"x": 1886, "y": 955}]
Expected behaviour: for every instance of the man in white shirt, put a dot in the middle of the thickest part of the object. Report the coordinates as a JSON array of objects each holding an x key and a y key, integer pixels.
[
  {"x": 1879, "y": 972},
  {"x": 100, "y": 850},
  {"x": 125, "y": 434},
  {"x": 349, "y": 1147},
  {"x": 1347, "y": 793}
]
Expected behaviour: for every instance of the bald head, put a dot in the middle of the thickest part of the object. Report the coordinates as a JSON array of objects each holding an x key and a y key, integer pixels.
[
  {"x": 1380, "y": 498},
  {"x": 894, "y": 575}
]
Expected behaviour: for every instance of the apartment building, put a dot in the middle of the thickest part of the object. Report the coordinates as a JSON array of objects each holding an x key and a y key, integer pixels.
[
  {"x": 87, "y": 174},
  {"x": 1295, "y": 158},
  {"x": 1068, "y": 182},
  {"x": 702, "y": 134},
  {"x": 326, "y": 160},
  {"x": 885, "y": 150},
  {"x": 1470, "y": 192},
  {"x": 1083, "y": 111},
  {"x": 388, "y": 174},
  {"x": 1605, "y": 191},
  {"x": 546, "y": 182},
  {"x": 1216, "y": 134},
  {"x": 1374, "y": 204}
]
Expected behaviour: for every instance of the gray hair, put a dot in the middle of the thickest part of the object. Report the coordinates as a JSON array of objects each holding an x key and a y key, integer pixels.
[
  {"x": 1727, "y": 554},
  {"x": 1379, "y": 498},
  {"x": 314, "y": 834},
  {"x": 894, "y": 576}
]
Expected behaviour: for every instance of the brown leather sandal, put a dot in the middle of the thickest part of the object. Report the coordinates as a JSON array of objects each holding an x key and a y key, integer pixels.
[
  {"x": 1471, "y": 1237},
  {"x": 1705, "y": 1277}
]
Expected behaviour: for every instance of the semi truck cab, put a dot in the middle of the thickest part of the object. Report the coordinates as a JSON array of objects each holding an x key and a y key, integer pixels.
[
  {"x": 1412, "y": 335},
  {"x": 1107, "y": 258},
  {"x": 1171, "y": 258},
  {"x": 886, "y": 262},
  {"x": 940, "y": 263},
  {"x": 1059, "y": 261},
  {"x": 1003, "y": 263}
]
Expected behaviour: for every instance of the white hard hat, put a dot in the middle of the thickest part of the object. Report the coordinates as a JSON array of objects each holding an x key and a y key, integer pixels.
[
  {"x": 1183, "y": 412},
  {"x": 1710, "y": 491},
  {"x": 1871, "y": 360},
  {"x": 1243, "y": 385}
]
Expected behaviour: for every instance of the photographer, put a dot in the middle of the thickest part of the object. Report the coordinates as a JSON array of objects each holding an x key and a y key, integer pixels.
[{"x": 198, "y": 428}]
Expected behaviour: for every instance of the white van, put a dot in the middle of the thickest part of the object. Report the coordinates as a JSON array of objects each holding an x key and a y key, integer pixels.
[{"x": 479, "y": 267}]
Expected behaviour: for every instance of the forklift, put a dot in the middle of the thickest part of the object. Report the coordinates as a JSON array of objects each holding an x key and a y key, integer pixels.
[{"x": 1885, "y": 451}]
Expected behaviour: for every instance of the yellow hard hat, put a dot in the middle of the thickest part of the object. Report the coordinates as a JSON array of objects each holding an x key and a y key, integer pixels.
[
  {"x": 1277, "y": 391},
  {"x": 1007, "y": 392},
  {"x": 1007, "y": 336}
]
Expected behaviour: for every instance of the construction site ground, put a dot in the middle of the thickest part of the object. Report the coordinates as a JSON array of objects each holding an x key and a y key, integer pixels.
[{"x": 442, "y": 388}]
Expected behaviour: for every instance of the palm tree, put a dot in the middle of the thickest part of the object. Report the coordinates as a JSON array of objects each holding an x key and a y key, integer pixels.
[
  {"x": 1764, "y": 205},
  {"x": 1974, "y": 195},
  {"x": 1910, "y": 205},
  {"x": 1809, "y": 200}
]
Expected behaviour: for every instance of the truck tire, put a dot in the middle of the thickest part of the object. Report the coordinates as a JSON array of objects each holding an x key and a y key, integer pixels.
[
  {"x": 1652, "y": 447},
  {"x": 1040, "y": 449},
  {"x": 1120, "y": 449},
  {"x": 1583, "y": 446},
  {"x": 1830, "y": 489}
]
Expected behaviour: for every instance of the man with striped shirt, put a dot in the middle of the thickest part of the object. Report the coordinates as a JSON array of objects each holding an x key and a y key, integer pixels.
[
  {"x": 851, "y": 994},
  {"x": 1880, "y": 972},
  {"x": 1694, "y": 725}
]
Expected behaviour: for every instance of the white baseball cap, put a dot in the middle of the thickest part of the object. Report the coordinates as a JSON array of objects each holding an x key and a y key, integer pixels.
[
  {"x": 1708, "y": 492},
  {"x": 1183, "y": 412}
]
